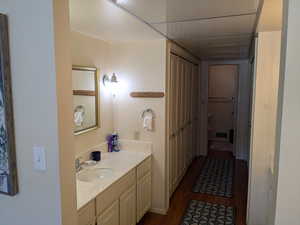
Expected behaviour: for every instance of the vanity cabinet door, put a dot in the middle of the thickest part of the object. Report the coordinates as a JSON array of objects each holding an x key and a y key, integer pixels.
[
  {"x": 110, "y": 216},
  {"x": 143, "y": 195},
  {"x": 86, "y": 215},
  {"x": 128, "y": 207}
]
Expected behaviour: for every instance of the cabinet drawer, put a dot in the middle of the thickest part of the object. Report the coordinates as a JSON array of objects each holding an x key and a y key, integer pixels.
[
  {"x": 112, "y": 193},
  {"x": 144, "y": 168},
  {"x": 111, "y": 216},
  {"x": 86, "y": 215},
  {"x": 127, "y": 181}
]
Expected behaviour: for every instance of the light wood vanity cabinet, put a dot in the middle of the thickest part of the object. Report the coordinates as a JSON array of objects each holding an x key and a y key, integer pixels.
[
  {"x": 86, "y": 215},
  {"x": 110, "y": 216},
  {"x": 143, "y": 195},
  {"x": 113, "y": 193},
  {"x": 128, "y": 207},
  {"x": 143, "y": 188},
  {"x": 123, "y": 203},
  {"x": 143, "y": 168}
]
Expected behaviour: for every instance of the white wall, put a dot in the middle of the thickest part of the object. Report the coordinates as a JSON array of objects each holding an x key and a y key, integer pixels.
[
  {"x": 242, "y": 149},
  {"x": 141, "y": 66},
  {"x": 287, "y": 208},
  {"x": 34, "y": 86}
]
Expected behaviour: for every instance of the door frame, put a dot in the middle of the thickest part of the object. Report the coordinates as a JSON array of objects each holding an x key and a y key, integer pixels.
[
  {"x": 243, "y": 71},
  {"x": 252, "y": 63},
  {"x": 235, "y": 117}
]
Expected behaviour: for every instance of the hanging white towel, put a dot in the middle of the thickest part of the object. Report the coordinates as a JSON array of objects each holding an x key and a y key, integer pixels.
[
  {"x": 148, "y": 122},
  {"x": 78, "y": 118}
]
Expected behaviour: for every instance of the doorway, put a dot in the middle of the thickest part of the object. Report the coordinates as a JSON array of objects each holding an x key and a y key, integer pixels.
[{"x": 222, "y": 107}]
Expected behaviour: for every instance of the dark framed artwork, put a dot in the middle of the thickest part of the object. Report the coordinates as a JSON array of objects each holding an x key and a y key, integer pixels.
[{"x": 8, "y": 168}]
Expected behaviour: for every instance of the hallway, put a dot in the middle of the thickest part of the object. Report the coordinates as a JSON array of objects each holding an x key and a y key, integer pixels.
[{"x": 184, "y": 194}]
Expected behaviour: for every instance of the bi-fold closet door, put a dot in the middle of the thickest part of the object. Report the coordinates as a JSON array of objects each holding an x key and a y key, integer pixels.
[{"x": 183, "y": 89}]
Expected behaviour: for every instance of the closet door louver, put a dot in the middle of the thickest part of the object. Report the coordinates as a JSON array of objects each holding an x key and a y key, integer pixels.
[{"x": 183, "y": 89}]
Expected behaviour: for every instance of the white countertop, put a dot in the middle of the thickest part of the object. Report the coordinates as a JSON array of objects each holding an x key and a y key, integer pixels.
[{"x": 120, "y": 162}]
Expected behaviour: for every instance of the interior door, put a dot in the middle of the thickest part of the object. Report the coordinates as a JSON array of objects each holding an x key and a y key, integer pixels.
[{"x": 222, "y": 92}]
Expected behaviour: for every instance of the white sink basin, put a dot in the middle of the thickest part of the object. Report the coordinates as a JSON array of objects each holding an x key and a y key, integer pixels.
[{"x": 89, "y": 175}]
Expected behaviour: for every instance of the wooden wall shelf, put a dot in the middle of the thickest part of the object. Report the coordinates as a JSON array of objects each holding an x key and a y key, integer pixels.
[
  {"x": 147, "y": 94},
  {"x": 84, "y": 92}
]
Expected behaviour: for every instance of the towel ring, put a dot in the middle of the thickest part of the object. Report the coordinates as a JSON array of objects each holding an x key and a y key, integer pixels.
[{"x": 148, "y": 111}]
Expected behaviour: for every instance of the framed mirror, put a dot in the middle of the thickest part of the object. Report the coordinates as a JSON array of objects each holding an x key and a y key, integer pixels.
[{"x": 85, "y": 99}]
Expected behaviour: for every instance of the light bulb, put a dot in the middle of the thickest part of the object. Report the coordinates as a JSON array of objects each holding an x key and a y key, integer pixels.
[
  {"x": 114, "y": 84},
  {"x": 121, "y": 1},
  {"x": 113, "y": 88}
]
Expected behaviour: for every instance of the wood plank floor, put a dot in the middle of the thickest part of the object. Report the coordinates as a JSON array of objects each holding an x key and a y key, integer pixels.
[{"x": 184, "y": 194}]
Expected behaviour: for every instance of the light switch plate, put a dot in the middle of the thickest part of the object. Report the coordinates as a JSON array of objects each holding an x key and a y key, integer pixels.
[{"x": 39, "y": 158}]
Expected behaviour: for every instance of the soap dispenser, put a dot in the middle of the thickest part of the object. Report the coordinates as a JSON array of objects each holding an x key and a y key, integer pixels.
[
  {"x": 116, "y": 145},
  {"x": 113, "y": 142}
]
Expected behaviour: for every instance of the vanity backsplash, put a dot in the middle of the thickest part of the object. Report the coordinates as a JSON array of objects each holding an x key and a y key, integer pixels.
[{"x": 125, "y": 145}]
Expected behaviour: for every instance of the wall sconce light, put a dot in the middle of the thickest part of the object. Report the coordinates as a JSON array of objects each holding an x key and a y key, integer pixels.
[
  {"x": 105, "y": 80},
  {"x": 111, "y": 83}
]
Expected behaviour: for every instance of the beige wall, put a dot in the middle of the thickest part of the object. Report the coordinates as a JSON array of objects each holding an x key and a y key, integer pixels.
[
  {"x": 287, "y": 208},
  {"x": 33, "y": 64},
  {"x": 261, "y": 179},
  {"x": 141, "y": 66},
  {"x": 262, "y": 174},
  {"x": 65, "y": 112},
  {"x": 36, "y": 112},
  {"x": 88, "y": 51},
  {"x": 271, "y": 16}
]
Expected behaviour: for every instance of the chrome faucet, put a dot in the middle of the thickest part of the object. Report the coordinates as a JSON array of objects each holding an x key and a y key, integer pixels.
[{"x": 78, "y": 164}]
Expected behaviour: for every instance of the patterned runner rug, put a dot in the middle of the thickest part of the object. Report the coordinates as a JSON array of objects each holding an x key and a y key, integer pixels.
[
  {"x": 205, "y": 213},
  {"x": 215, "y": 178}
]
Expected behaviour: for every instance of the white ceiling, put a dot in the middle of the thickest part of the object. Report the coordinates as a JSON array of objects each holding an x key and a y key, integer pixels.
[
  {"x": 221, "y": 37},
  {"x": 104, "y": 20},
  {"x": 208, "y": 28},
  {"x": 161, "y": 11}
]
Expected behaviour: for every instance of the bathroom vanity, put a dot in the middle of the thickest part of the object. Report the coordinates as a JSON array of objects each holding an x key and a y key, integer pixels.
[{"x": 116, "y": 191}]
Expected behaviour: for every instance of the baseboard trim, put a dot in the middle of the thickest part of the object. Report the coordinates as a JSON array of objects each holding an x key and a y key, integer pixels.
[{"x": 159, "y": 211}]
